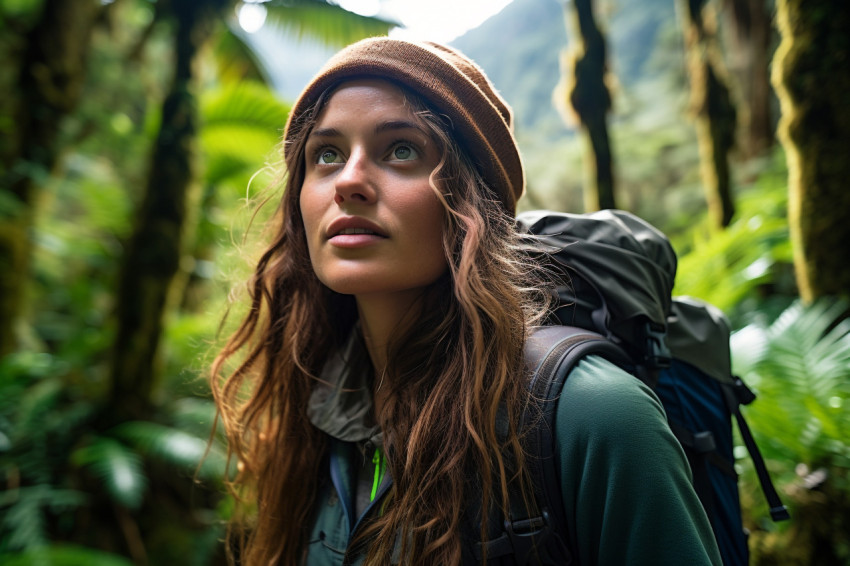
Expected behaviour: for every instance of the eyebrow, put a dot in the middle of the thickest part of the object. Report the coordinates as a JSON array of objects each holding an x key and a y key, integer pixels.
[
  {"x": 389, "y": 126},
  {"x": 394, "y": 125}
]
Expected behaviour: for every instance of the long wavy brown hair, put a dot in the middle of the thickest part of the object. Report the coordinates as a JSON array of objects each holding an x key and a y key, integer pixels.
[{"x": 452, "y": 371}]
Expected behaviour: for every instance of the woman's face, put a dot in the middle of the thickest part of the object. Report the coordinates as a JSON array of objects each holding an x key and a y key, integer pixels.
[{"x": 372, "y": 220}]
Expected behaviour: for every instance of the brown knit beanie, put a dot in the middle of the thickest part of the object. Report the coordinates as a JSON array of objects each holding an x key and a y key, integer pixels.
[{"x": 481, "y": 121}]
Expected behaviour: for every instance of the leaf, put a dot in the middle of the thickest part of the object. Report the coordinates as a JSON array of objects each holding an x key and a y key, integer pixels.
[
  {"x": 801, "y": 373},
  {"x": 241, "y": 127},
  {"x": 174, "y": 447},
  {"x": 23, "y": 522},
  {"x": 322, "y": 21},
  {"x": 118, "y": 467},
  {"x": 235, "y": 60},
  {"x": 36, "y": 403},
  {"x": 64, "y": 555}
]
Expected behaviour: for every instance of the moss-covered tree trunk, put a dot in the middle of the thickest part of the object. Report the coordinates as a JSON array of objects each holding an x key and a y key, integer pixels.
[
  {"x": 748, "y": 58},
  {"x": 811, "y": 74},
  {"x": 712, "y": 108},
  {"x": 156, "y": 246},
  {"x": 590, "y": 99},
  {"x": 42, "y": 85}
]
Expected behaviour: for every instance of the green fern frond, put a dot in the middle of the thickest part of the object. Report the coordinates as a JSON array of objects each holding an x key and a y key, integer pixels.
[
  {"x": 36, "y": 403},
  {"x": 723, "y": 268},
  {"x": 802, "y": 377},
  {"x": 23, "y": 522},
  {"x": 64, "y": 555},
  {"x": 118, "y": 467},
  {"x": 174, "y": 447}
]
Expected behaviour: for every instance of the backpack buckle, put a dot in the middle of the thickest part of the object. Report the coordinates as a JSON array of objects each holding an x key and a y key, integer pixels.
[
  {"x": 656, "y": 354},
  {"x": 527, "y": 536},
  {"x": 743, "y": 393}
]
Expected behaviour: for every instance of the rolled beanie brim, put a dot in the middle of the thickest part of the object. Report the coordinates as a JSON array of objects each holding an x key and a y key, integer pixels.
[{"x": 480, "y": 119}]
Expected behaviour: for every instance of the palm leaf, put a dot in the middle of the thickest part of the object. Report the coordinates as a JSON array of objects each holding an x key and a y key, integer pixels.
[
  {"x": 241, "y": 127},
  {"x": 322, "y": 21},
  {"x": 118, "y": 467},
  {"x": 234, "y": 59}
]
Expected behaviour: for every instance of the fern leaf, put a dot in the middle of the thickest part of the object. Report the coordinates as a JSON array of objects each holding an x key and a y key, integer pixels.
[
  {"x": 173, "y": 447},
  {"x": 118, "y": 467}
]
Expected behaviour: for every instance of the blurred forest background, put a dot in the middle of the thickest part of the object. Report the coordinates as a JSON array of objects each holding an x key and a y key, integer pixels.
[{"x": 139, "y": 139}]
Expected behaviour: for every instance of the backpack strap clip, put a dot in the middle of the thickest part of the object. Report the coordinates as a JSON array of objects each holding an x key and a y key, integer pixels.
[
  {"x": 743, "y": 393},
  {"x": 656, "y": 354},
  {"x": 522, "y": 539},
  {"x": 528, "y": 536}
]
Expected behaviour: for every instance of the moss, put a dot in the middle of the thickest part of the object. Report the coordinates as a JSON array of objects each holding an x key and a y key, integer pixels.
[{"x": 811, "y": 74}]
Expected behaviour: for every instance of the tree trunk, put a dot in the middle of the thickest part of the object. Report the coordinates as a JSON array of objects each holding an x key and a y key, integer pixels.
[
  {"x": 713, "y": 111},
  {"x": 591, "y": 100},
  {"x": 156, "y": 246},
  {"x": 48, "y": 83},
  {"x": 748, "y": 58},
  {"x": 811, "y": 74}
]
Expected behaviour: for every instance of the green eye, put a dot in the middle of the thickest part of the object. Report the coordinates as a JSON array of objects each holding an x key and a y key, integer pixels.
[
  {"x": 328, "y": 156},
  {"x": 404, "y": 153}
]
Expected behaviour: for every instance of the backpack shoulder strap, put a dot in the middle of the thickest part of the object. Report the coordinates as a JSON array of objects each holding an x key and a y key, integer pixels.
[{"x": 551, "y": 353}]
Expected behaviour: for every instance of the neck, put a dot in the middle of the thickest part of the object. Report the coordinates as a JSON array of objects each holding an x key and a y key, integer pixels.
[{"x": 381, "y": 319}]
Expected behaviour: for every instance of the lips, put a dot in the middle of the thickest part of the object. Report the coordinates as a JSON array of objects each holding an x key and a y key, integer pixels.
[{"x": 354, "y": 225}]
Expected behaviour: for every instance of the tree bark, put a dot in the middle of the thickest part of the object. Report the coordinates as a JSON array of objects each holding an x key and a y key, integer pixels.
[
  {"x": 811, "y": 74},
  {"x": 748, "y": 58},
  {"x": 591, "y": 100},
  {"x": 713, "y": 110},
  {"x": 154, "y": 252},
  {"x": 49, "y": 79}
]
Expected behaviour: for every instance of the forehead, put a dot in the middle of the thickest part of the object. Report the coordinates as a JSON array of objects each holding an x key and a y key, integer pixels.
[{"x": 361, "y": 95}]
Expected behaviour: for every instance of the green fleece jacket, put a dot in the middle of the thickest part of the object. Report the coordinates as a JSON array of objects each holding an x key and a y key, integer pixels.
[{"x": 626, "y": 484}]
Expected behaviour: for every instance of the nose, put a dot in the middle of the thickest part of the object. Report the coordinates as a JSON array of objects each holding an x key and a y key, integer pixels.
[{"x": 354, "y": 183}]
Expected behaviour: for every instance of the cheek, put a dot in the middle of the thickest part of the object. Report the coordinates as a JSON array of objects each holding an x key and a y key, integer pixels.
[
  {"x": 310, "y": 215},
  {"x": 430, "y": 221}
]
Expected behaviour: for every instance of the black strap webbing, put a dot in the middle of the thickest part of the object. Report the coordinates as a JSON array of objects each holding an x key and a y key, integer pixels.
[
  {"x": 734, "y": 395},
  {"x": 551, "y": 353}
]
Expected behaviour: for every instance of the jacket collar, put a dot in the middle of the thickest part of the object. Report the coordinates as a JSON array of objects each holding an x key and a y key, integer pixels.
[{"x": 341, "y": 402}]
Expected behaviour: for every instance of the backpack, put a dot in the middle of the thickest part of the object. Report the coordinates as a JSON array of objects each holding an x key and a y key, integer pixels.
[{"x": 613, "y": 278}]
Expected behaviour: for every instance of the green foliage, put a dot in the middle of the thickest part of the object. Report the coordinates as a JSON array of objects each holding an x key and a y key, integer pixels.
[
  {"x": 63, "y": 555},
  {"x": 746, "y": 267},
  {"x": 56, "y": 461},
  {"x": 175, "y": 448},
  {"x": 117, "y": 467},
  {"x": 241, "y": 125},
  {"x": 800, "y": 368},
  {"x": 323, "y": 21}
]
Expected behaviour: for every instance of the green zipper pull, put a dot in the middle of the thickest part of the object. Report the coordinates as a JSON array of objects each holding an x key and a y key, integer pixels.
[{"x": 380, "y": 466}]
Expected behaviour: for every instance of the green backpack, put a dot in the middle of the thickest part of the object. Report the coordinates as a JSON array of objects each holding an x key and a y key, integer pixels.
[{"x": 614, "y": 276}]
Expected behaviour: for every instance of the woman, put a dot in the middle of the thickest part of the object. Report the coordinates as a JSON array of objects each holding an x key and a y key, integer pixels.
[{"x": 385, "y": 337}]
